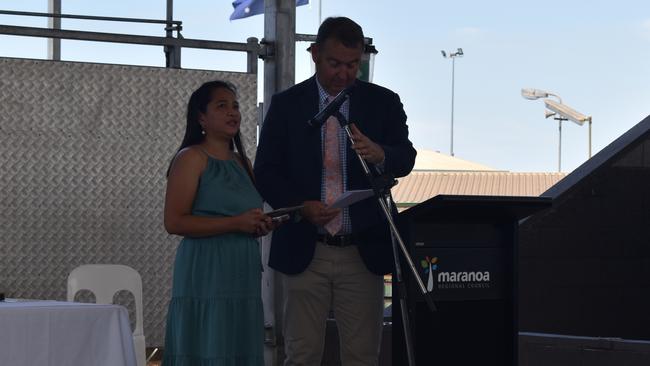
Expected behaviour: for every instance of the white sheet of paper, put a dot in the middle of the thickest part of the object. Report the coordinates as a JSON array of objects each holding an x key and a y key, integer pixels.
[{"x": 350, "y": 197}]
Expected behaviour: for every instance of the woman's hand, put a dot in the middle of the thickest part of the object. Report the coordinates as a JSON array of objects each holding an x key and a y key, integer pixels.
[{"x": 254, "y": 222}]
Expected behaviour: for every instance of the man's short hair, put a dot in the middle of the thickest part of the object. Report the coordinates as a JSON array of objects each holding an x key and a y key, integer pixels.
[{"x": 342, "y": 29}]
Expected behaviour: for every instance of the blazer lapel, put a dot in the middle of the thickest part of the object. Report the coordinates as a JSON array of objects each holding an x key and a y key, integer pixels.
[
  {"x": 309, "y": 106},
  {"x": 357, "y": 105},
  {"x": 357, "y": 110}
]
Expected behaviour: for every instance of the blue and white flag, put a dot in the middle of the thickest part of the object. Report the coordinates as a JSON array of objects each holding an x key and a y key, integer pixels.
[{"x": 247, "y": 8}]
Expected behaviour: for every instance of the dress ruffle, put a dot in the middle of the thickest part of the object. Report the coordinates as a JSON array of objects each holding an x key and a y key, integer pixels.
[{"x": 215, "y": 331}]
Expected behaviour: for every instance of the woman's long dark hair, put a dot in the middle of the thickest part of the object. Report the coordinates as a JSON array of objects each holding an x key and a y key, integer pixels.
[{"x": 198, "y": 104}]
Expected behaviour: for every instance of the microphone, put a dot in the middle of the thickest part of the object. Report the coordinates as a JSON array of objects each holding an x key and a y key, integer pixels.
[{"x": 331, "y": 108}]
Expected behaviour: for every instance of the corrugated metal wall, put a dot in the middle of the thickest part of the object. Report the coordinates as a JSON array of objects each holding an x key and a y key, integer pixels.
[{"x": 83, "y": 154}]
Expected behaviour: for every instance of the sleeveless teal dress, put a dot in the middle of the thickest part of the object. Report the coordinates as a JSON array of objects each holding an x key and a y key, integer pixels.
[{"x": 215, "y": 316}]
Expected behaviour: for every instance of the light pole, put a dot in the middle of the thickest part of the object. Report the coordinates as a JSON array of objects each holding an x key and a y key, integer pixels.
[
  {"x": 452, "y": 56},
  {"x": 560, "y": 112}
]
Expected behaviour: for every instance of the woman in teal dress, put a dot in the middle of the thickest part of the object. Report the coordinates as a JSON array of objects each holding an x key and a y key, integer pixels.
[{"x": 215, "y": 316}]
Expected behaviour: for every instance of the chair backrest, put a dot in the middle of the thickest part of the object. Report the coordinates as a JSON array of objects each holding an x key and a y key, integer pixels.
[{"x": 105, "y": 280}]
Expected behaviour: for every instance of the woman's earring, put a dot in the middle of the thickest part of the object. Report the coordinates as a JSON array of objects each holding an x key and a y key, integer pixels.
[{"x": 202, "y": 132}]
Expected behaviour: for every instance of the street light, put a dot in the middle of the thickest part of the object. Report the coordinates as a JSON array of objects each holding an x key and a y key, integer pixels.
[
  {"x": 452, "y": 56},
  {"x": 534, "y": 94},
  {"x": 562, "y": 112}
]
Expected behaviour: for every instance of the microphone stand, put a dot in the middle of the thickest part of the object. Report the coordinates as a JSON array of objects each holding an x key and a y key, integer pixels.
[{"x": 381, "y": 187}]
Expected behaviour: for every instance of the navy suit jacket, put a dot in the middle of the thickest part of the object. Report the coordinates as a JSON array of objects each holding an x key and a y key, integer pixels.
[{"x": 289, "y": 163}]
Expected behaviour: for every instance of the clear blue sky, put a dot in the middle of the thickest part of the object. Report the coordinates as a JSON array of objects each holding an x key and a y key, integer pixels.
[{"x": 595, "y": 54}]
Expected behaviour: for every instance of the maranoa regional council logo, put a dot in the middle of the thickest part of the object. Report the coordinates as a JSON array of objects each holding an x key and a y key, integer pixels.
[{"x": 451, "y": 280}]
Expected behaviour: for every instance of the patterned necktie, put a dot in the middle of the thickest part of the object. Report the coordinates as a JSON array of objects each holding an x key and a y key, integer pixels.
[{"x": 333, "y": 176}]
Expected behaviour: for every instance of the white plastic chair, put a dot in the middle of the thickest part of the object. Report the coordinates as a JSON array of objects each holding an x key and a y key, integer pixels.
[{"x": 104, "y": 280}]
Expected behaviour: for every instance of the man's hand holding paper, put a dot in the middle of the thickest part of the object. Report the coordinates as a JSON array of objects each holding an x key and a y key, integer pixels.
[
  {"x": 318, "y": 213},
  {"x": 350, "y": 197}
]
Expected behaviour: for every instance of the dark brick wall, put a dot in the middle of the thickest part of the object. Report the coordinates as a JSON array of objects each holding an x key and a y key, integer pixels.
[{"x": 584, "y": 265}]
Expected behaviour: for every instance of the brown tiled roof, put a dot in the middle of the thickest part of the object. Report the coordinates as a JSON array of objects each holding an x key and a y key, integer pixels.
[
  {"x": 422, "y": 185},
  {"x": 435, "y": 160}
]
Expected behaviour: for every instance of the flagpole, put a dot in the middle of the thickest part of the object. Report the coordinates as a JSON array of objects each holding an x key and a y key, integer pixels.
[{"x": 320, "y": 11}]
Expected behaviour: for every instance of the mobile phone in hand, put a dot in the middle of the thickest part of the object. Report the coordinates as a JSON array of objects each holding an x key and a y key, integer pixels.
[
  {"x": 281, "y": 218},
  {"x": 282, "y": 211}
]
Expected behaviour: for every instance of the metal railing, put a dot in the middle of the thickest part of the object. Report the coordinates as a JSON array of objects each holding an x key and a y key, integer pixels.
[{"x": 172, "y": 45}]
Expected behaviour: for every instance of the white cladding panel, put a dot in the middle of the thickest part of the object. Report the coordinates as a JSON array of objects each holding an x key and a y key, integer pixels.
[{"x": 83, "y": 153}]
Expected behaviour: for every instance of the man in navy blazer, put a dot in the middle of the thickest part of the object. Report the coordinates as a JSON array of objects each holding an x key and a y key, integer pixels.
[{"x": 322, "y": 272}]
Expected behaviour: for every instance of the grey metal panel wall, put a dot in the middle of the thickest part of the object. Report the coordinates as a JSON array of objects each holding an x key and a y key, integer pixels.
[
  {"x": 83, "y": 154},
  {"x": 540, "y": 349}
]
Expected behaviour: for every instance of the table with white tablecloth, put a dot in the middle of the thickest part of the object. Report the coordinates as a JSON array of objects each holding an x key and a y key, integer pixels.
[{"x": 58, "y": 333}]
